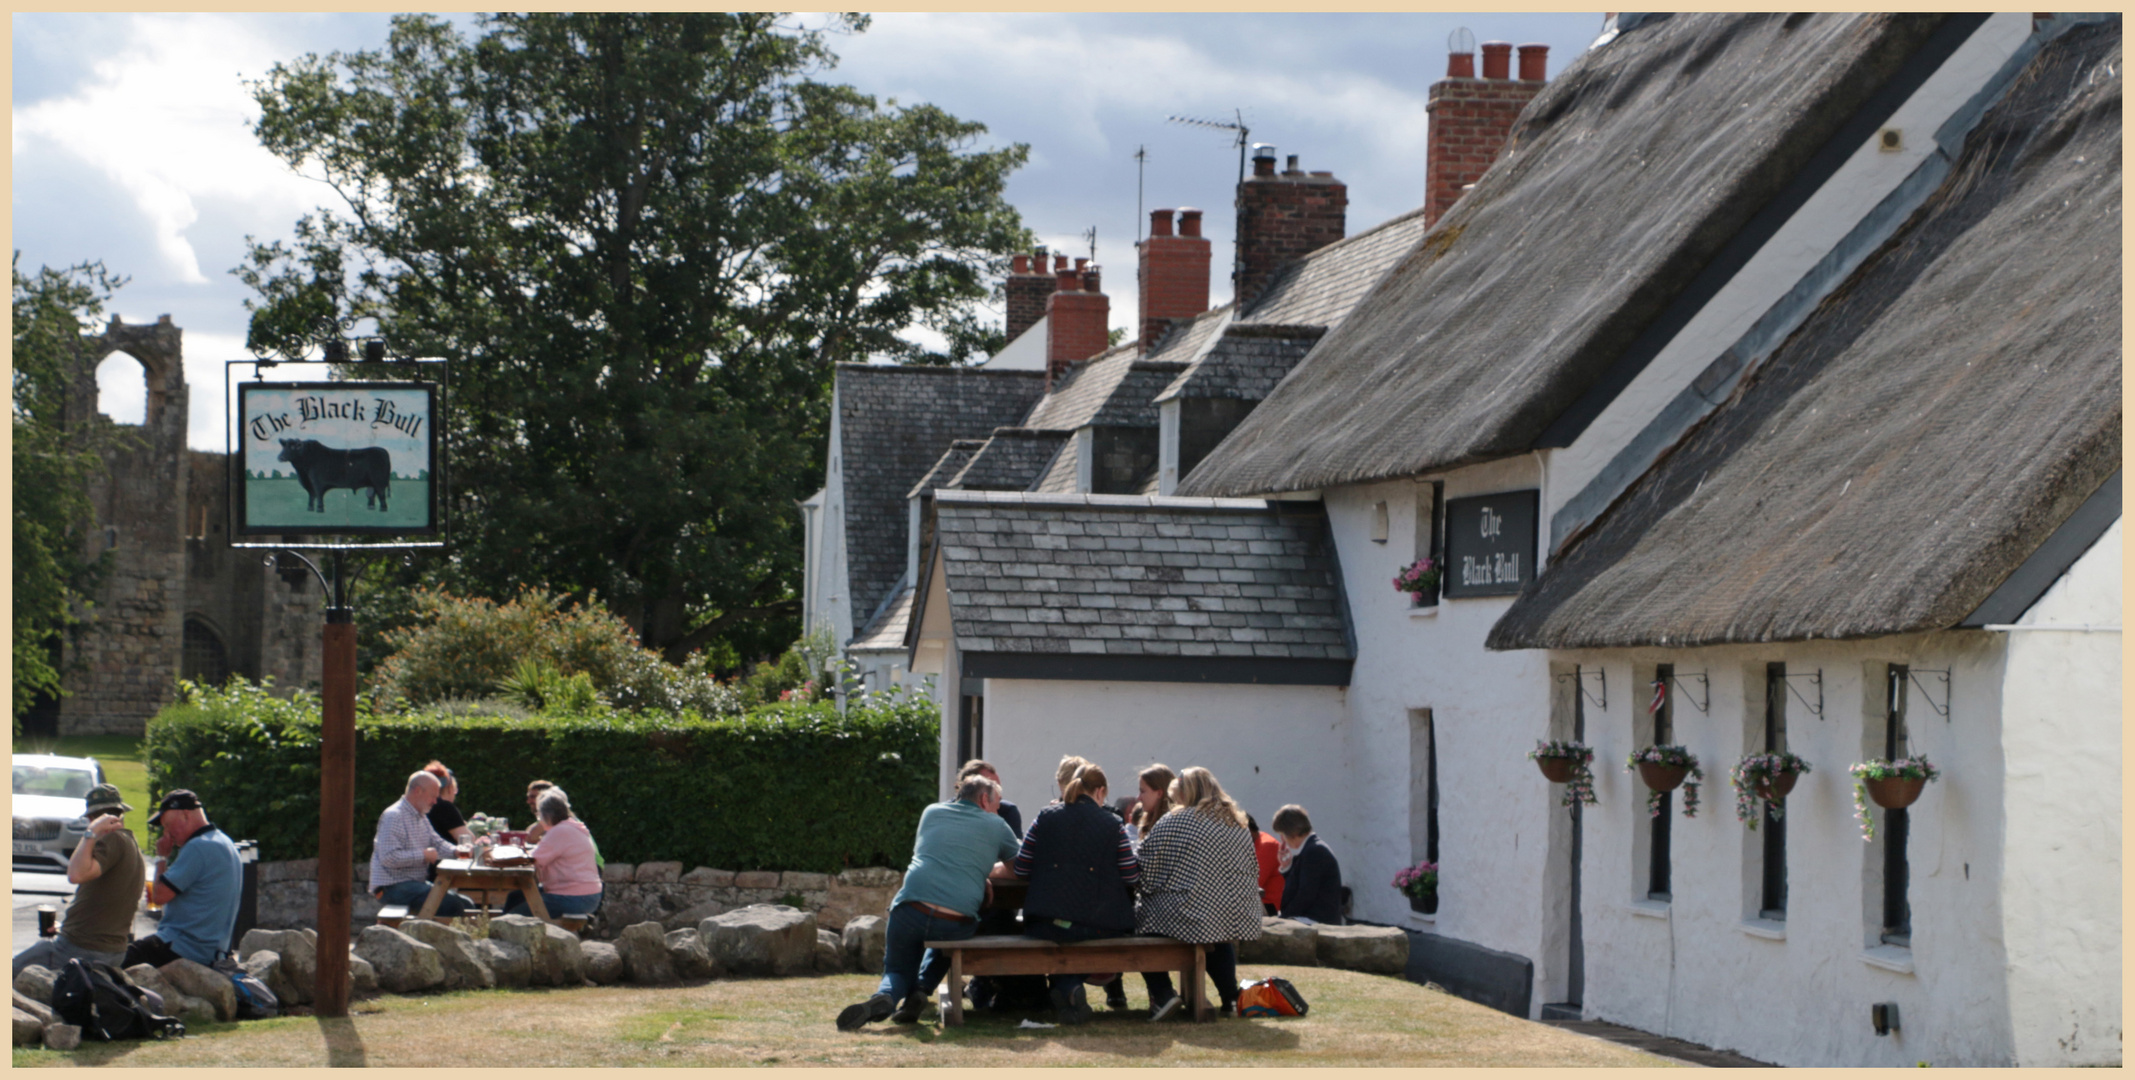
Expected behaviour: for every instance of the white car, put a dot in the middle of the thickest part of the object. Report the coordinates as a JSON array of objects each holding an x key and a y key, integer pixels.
[{"x": 49, "y": 794}]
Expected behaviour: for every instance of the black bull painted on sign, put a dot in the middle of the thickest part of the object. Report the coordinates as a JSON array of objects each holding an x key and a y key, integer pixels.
[{"x": 321, "y": 469}]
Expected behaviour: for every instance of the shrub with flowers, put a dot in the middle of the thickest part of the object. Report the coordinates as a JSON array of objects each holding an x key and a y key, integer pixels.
[
  {"x": 1681, "y": 759},
  {"x": 1419, "y": 579},
  {"x": 1758, "y": 771},
  {"x": 1419, "y": 882},
  {"x": 1580, "y": 788},
  {"x": 1905, "y": 768}
]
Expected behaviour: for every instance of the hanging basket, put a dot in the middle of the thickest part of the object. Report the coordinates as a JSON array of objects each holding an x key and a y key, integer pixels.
[
  {"x": 1661, "y": 777},
  {"x": 1894, "y": 793},
  {"x": 1777, "y": 787},
  {"x": 1557, "y": 770}
]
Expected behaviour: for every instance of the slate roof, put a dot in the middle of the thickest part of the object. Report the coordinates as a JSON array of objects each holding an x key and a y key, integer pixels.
[
  {"x": 1622, "y": 180},
  {"x": 1062, "y": 476},
  {"x": 1321, "y": 288},
  {"x": 951, "y": 462},
  {"x": 1130, "y": 575},
  {"x": 1132, "y": 402},
  {"x": 1187, "y": 340},
  {"x": 894, "y": 422},
  {"x": 1012, "y": 460},
  {"x": 1085, "y": 390},
  {"x": 1920, "y": 437},
  {"x": 886, "y": 633},
  {"x": 1246, "y": 362}
]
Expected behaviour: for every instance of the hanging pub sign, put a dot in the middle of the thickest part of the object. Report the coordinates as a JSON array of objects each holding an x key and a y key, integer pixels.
[
  {"x": 1490, "y": 543},
  {"x": 336, "y": 457}
]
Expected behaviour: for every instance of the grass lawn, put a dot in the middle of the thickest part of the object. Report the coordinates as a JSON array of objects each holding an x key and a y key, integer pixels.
[
  {"x": 1355, "y": 1020},
  {"x": 124, "y": 761}
]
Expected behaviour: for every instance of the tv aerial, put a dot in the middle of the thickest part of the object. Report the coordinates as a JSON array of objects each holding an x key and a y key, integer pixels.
[{"x": 1241, "y": 134}]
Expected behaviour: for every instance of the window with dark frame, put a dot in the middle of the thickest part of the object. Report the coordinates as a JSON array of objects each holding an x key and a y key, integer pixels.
[
  {"x": 1773, "y": 903},
  {"x": 1658, "y": 863},
  {"x": 1897, "y": 873}
]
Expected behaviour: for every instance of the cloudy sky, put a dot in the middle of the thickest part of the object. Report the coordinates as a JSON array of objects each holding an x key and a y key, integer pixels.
[{"x": 132, "y": 141}]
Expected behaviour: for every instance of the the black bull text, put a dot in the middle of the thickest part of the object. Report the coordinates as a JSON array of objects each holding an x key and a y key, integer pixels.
[{"x": 321, "y": 469}]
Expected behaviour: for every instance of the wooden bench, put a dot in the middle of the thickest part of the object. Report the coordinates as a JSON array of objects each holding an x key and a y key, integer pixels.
[
  {"x": 395, "y": 914},
  {"x": 1018, "y": 955}
]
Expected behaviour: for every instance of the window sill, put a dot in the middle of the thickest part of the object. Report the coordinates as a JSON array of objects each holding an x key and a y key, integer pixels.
[
  {"x": 1423, "y": 612},
  {"x": 1896, "y": 958},
  {"x": 1649, "y": 909},
  {"x": 1768, "y": 929},
  {"x": 1420, "y": 919}
]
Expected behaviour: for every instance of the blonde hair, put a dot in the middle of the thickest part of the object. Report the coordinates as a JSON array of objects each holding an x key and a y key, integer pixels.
[
  {"x": 1197, "y": 787},
  {"x": 1066, "y": 771},
  {"x": 1087, "y": 781},
  {"x": 1157, "y": 778}
]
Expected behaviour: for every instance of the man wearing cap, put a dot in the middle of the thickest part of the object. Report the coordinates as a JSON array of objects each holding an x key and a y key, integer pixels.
[
  {"x": 106, "y": 870},
  {"x": 199, "y": 880}
]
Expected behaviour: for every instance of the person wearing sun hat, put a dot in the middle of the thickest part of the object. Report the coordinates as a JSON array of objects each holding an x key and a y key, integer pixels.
[
  {"x": 199, "y": 879},
  {"x": 106, "y": 870}
]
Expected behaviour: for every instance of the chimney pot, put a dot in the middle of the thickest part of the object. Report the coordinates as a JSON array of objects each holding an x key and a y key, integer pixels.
[
  {"x": 1460, "y": 65},
  {"x": 1534, "y": 63},
  {"x": 1263, "y": 159},
  {"x": 1189, "y": 221},
  {"x": 1290, "y": 166},
  {"x": 1020, "y": 264},
  {"x": 1066, "y": 280},
  {"x": 1497, "y": 60},
  {"x": 1160, "y": 223},
  {"x": 1080, "y": 263},
  {"x": 1059, "y": 263}
]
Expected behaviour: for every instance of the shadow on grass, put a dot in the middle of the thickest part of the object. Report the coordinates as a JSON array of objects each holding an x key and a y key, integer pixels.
[
  {"x": 1125, "y": 1034},
  {"x": 344, "y": 1047}
]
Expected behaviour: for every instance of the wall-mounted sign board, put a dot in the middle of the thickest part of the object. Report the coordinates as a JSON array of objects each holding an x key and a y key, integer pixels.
[
  {"x": 1490, "y": 543},
  {"x": 336, "y": 457}
]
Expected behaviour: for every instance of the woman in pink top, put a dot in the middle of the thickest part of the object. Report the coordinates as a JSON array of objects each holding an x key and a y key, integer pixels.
[{"x": 565, "y": 863}]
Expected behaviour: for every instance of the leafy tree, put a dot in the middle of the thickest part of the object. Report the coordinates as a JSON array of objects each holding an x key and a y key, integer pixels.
[
  {"x": 53, "y": 465},
  {"x": 644, "y": 239}
]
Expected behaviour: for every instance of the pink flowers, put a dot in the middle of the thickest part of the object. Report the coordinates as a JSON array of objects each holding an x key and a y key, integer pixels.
[
  {"x": 1419, "y": 579},
  {"x": 1419, "y": 881}
]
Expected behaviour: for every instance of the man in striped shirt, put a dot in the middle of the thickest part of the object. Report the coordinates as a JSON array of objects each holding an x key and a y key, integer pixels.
[{"x": 406, "y": 846}]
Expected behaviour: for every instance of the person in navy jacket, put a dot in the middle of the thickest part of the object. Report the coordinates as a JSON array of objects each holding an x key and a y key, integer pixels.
[{"x": 1312, "y": 880}]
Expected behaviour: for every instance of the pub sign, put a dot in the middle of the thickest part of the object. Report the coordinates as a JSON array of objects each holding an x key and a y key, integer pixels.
[
  {"x": 1490, "y": 543},
  {"x": 336, "y": 457}
]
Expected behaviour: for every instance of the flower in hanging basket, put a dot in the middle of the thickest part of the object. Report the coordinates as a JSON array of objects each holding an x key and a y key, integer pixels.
[
  {"x": 1419, "y": 579},
  {"x": 1566, "y": 762},
  {"x": 1764, "y": 776},
  {"x": 1662, "y": 768},
  {"x": 1418, "y": 882},
  {"x": 1892, "y": 784}
]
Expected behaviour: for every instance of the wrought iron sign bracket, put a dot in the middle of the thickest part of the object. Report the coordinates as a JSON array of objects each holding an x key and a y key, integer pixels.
[
  {"x": 1942, "y": 676},
  {"x": 1602, "y": 674},
  {"x": 1816, "y": 708},
  {"x": 1704, "y": 684}
]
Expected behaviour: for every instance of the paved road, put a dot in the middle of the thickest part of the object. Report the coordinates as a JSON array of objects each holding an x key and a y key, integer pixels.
[{"x": 32, "y": 889}]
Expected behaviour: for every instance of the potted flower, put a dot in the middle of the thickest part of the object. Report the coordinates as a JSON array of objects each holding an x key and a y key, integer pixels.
[
  {"x": 1764, "y": 776},
  {"x": 1420, "y": 884},
  {"x": 1892, "y": 784},
  {"x": 1566, "y": 762},
  {"x": 1419, "y": 579},
  {"x": 1665, "y": 768}
]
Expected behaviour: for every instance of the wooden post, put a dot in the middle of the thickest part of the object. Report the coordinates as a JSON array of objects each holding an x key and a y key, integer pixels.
[{"x": 337, "y": 811}]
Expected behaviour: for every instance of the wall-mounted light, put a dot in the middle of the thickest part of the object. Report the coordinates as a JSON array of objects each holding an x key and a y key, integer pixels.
[{"x": 1379, "y": 524}]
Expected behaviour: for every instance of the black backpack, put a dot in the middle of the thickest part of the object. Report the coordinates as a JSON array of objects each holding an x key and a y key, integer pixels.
[{"x": 106, "y": 1005}]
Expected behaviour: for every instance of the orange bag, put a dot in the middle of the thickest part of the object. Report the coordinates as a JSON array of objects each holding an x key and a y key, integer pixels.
[{"x": 1270, "y": 997}]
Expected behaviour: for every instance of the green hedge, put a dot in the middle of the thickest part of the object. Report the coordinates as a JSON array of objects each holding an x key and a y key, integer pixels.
[{"x": 785, "y": 787}]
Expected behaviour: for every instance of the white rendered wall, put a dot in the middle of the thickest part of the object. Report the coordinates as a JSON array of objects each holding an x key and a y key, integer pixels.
[
  {"x": 1862, "y": 182},
  {"x": 2061, "y": 892},
  {"x": 1267, "y": 745},
  {"x": 825, "y": 561}
]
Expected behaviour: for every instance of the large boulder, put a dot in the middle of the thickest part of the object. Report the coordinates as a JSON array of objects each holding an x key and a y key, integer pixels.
[
  {"x": 689, "y": 917},
  {"x": 176, "y": 1003},
  {"x": 691, "y": 959},
  {"x": 464, "y": 970},
  {"x": 205, "y": 983},
  {"x": 62, "y": 1037},
  {"x": 865, "y": 938},
  {"x": 1380, "y": 949},
  {"x": 511, "y": 964},
  {"x": 38, "y": 1009},
  {"x": 564, "y": 956},
  {"x": 29, "y": 1030},
  {"x": 646, "y": 960},
  {"x": 604, "y": 965},
  {"x": 829, "y": 952},
  {"x": 403, "y": 964},
  {"x": 1281, "y": 941},
  {"x": 267, "y": 968},
  {"x": 299, "y": 950},
  {"x": 35, "y": 982},
  {"x": 528, "y": 933},
  {"x": 762, "y": 939},
  {"x": 362, "y": 977}
]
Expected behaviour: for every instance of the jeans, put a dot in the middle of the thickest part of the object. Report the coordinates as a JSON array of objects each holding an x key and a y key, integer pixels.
[
  {"x": 1222, "y": 970},
  {"x": 53, "y": 953},
  {"x": 413, "y": 894},
  {"x": 909, "y": 968},
  {"x": 557, "y": 904}
]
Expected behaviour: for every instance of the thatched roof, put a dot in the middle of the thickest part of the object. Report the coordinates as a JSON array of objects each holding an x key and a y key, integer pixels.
[
  {"x": 1942, "y": 414},
  {"x": 1621, "y": 182}
]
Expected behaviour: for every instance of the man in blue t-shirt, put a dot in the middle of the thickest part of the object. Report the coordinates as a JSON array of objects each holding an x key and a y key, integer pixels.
[{"x": 199, "y": 878}]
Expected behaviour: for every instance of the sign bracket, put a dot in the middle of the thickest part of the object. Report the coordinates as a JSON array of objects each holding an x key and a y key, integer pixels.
[
  {"x": 1816, "y": 709},
  {"x": 1704, "y": 685},
  {"x": 1580, "y": 675},
  {"x": 1943, "y": 676}
]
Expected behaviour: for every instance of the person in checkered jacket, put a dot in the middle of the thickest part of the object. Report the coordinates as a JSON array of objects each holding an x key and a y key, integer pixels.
[{"x": 1201, "y": 880}]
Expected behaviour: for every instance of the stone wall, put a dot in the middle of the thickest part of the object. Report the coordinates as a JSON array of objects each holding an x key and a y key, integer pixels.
[{"x": 656, "y": 891}]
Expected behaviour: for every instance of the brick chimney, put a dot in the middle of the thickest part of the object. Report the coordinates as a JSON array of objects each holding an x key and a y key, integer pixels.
[
  {"x": 1029, "y": 283},
  {"x": 1282, "y": 217},
  {"x": 1471, "y": 117},
  {"x": 1174, "y": 273},
  {"x": 1078, "y": 316}
]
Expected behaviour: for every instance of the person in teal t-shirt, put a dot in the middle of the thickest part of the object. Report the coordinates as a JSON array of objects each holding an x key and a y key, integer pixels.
[{"x": 199, "y": 878}]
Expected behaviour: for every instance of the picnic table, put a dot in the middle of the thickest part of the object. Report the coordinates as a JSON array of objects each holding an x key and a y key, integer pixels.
[{"x": 1003, "y": 954}]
